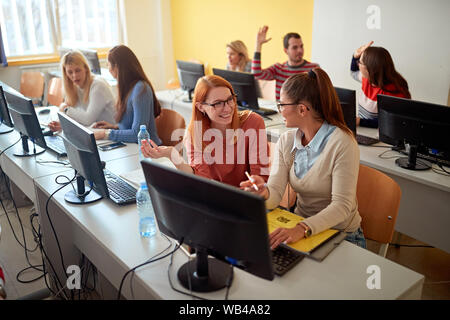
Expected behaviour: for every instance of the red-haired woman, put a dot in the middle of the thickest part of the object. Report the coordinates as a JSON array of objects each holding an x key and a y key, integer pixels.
[
  {"x": 221, "y": 143},
  {"x": 374, "y": 68},
  {"x": 136, "y": 104},
  {"x": 320, "y": 160}
]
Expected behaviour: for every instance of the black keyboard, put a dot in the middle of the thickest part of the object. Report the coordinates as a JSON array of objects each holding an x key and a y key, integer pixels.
[
  {"x": 283, "y": 259},
  {"x": 431, "y": 158},
  {"x": 119, "y": 190},
  {"x": 365, "y": 140},
  {"x": 56, "y": 144},
  {"x": 261, "y": 111}
]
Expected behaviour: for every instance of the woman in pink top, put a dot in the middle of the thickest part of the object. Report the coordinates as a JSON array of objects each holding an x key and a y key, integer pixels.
[{"x": 222, "y": 143}]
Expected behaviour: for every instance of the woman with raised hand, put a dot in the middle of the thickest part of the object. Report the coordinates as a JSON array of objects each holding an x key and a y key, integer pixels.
[
  {"x": 88, "y": 98},
  {"x": 320, "y": 161},
  {"x": 238, "y": 59},
  {"x": 374, "y": 68},
  {"x": 222, "y": 143},
  {"x": 136, "y": 104}
]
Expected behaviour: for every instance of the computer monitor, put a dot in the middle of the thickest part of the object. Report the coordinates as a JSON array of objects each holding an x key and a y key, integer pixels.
[
  {"x": 424, "y": 126},
  {"x": 347, "y": 99},
  {"x": 90, "y": 55},
  {"x": 6, "y": 124},
  {"x": 83, "y": 155},
  {"x": 215, "y": 219},
  {"x": 188, "y": 74},
  {"x": 26, "y": 123},
  {"x": 245, "y": 87}
]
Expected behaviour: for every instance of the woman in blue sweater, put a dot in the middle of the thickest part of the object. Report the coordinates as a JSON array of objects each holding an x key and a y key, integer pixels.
[{"x": 136, "y": 103}]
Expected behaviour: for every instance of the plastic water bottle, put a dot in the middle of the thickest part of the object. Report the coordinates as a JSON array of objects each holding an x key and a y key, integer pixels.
[
  {"x": 147, "y": 223},
  {"x": 142, "y": 135}
]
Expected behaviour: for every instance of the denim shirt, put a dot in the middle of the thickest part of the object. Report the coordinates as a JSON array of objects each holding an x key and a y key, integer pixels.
[{"x": 306, "y": 156}]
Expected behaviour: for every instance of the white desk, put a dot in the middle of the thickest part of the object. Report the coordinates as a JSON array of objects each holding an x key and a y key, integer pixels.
[
  {"x": 108, "y": 236},
  {"x": 424, "y": 212}
]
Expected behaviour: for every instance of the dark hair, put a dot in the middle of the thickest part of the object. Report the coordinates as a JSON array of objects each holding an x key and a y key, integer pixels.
[
  {"x": 382, "y": 72},
  {"x": 315, "y": 87},
  {"x": 129, "y": 73},
  {"x": 288, "y": 36}
]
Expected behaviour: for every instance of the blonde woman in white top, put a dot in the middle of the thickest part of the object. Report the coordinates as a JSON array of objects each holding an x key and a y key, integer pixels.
[
  {"x": 88, "y": 98},
  {"x": 320, "y": 160}
]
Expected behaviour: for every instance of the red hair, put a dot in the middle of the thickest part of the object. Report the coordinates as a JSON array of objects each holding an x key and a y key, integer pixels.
[{"x": 204, "y": 84}]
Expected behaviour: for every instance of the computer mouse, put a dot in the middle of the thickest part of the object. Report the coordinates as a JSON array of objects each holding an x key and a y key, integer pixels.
[{"x": 44, "y": 111}]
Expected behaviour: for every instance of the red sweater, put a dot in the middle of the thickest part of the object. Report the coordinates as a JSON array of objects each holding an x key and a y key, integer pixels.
[{"x": 227, "y": 163}]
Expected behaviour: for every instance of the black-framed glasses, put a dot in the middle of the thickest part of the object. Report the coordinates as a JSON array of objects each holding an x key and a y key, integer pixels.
[
  {"x": 221, "y": 104},
  {"x": 281, "y": 106}
]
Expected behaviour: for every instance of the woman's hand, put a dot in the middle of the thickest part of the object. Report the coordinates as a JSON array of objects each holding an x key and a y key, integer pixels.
[
  {"x": 99, "y": 134},
  {"x": 62, "y": 106},
  {"x": 104, "y": 125},
  {"x": 54, "y": 126},
  {"x": 152, "y": 150},
  {"x": 286, "y": 235},
  {"x": 361, "y": 49},
  {"x": 259, "y": 182}
]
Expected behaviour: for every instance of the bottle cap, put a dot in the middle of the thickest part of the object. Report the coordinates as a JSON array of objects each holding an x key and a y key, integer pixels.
[
  {"x": 144, "y": 186},
  {"x": 143, "y": 127}
]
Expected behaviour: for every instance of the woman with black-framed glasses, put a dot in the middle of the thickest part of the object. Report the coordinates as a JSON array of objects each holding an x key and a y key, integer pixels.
[
  {"x": 319, "y": 160},
  {"x": 222, "y": 143},
  {"x": 374, "y": 68}
]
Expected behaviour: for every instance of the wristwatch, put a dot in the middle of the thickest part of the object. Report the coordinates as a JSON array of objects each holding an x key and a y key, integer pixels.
[
  {"x": 308, "y": 231},
  {"x": 107, "y": 132},
  {"x": 65, "y": 110}
]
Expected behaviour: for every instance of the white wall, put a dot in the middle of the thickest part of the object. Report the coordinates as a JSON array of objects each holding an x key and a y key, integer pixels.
[{"x": 415, "y": 32}]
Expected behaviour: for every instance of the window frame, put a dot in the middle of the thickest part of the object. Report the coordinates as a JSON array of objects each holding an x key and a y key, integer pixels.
[{"x": 54, "y": 56}]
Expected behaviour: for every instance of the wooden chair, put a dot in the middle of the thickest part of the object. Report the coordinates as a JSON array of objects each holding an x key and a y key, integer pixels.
[
  {"x": 378, "y": 202},
  {"x": 32, "y": 85},
  {"x": 55, "y": 92},
  {"x": 168, "y": 121}
]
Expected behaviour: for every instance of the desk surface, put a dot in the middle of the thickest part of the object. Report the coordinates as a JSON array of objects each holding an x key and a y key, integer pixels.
[{"x": 108, "y": 236}]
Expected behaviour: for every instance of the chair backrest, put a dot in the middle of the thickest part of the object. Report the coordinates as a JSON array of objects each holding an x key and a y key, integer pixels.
[
  {"x": 267, "y": 88},
  {"x": 32, "y": 84},
  {"x": 378, "y": 202},
  {"x": 55, "y": 91},
  {"x": 168, "y": 121}
]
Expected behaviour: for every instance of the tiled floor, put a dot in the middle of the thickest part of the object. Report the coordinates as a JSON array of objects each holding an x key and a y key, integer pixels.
[{"x": 431, "y": 262}]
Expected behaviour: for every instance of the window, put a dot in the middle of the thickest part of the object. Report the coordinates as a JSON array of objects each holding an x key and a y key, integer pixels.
[{"x": 35, "y": 27}]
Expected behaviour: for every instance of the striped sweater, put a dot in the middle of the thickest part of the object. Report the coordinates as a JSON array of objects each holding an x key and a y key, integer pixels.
[
  {"x": 367, "y": 97},
  {"x": 279, "y": 71}
]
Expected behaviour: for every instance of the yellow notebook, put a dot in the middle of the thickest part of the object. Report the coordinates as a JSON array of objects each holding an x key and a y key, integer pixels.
[{"x": 279, "y": 218}]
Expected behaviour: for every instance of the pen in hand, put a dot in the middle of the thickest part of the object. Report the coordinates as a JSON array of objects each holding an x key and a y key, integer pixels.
[{"x": 252, "y": 181}]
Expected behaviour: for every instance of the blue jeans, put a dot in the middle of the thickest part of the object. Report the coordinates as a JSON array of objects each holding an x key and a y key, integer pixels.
[{"x": 357, "y": 238}]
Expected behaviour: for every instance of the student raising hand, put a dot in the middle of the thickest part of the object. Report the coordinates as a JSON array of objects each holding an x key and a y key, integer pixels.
[{"x": 361, "y": 49}]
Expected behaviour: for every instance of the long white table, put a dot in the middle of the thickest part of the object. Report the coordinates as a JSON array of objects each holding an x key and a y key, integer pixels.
[{"x": 108, "y": 236}]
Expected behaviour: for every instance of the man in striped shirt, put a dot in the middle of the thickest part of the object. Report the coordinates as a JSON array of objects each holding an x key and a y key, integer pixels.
[{"x": 293, "y": 47}]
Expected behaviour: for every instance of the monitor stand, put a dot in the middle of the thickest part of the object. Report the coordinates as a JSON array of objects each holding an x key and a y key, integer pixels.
[
  {"x": 189, "y": 98},
  {"x": 204, "y": 274},
  {"x": 411, "y": 162},
  {"x": 26, "y": 147},
  {"x": 80, "y": 197},
  {"x": 5, "y": 129}
]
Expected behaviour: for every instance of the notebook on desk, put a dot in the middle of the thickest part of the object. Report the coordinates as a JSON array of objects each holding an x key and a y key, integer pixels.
[{"x": 310, "y": 246}]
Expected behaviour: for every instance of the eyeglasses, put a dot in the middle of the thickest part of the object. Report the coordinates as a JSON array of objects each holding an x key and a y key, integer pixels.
[
  {"x": 221, "y": 104},
  {"x": 281, "y": 106}
]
